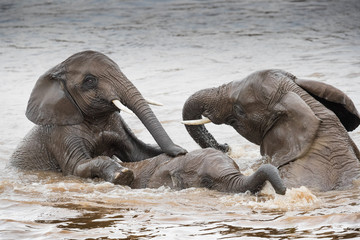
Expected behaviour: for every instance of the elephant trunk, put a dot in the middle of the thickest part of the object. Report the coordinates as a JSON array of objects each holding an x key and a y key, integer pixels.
[
  {"x": 132, "y": 98},
  {"x": 255, "y": 182},
  {"x": 211, "y": 103}
]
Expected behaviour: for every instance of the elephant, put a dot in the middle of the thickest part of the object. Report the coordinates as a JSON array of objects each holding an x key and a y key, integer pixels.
[
  {"x": 204, "y": 168},
  {"x": 79, "y": 131},
  {"x": 76, "y": 107},
  {"x": 301, "y": 125}
]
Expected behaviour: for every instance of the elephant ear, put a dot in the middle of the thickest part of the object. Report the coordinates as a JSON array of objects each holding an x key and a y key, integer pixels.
[
  {"x": 293, "y": 133},
  {"x": 50, "y": 103},
  {"x": 335, "y": 100}
]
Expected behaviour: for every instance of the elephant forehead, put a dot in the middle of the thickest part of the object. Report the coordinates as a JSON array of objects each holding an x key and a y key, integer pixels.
[
  {"x": 89, "y": 62},
  {"x": 263, "y": 87},
  {"x": 274, "y": 86},
  {"x": 244, "y": 92},
  {"x": 269, "y": 89}
]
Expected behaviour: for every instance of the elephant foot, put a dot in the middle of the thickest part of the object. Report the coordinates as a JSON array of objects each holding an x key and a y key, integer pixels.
[{"x": 123, "y": 177}]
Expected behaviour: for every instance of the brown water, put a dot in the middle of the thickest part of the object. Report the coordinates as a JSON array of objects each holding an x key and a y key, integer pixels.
[{"x": 170, "y": 49}]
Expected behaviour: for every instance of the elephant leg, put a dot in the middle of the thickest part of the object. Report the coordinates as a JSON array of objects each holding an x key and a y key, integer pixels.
[{"x": 106, "y": 168}]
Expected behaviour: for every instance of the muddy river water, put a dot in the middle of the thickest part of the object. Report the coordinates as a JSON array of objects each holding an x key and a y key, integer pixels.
[{"x": 169, "y": 50}]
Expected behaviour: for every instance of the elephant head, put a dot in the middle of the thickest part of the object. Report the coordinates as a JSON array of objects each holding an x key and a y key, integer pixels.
[
  {"x": 270, "y": 108},
  {"x": 88, "y": 87}
]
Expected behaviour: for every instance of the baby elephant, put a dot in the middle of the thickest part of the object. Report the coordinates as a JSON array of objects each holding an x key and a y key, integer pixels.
[{"x": 207, "y": 168}]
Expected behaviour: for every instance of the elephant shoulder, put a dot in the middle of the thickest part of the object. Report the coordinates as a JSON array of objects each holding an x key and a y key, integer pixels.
[
  {"x": 335, "y": 100},
  {"x": 31, "y": 153}
]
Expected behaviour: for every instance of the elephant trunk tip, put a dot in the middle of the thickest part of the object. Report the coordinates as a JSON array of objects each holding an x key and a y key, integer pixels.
[
  {"x": 273, "y": 176},
  {"x": 268, "y": 172}
]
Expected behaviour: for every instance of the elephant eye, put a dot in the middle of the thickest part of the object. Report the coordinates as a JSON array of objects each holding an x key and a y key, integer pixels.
[
  {"x": 89, "y": 82},
  {"x": 231, "y": 121},
  {"x": 239, "y": 112}
]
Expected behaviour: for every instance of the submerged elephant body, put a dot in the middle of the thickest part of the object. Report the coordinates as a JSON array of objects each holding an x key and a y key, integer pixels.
[
  {"x": 83, "y": 150},
  {"x": 300, "y": 124},
  {"x": 208, "y": 168}
]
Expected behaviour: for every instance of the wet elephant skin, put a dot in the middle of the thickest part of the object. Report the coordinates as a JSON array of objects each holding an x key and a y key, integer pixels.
[
  {"x": 79, "y": 131},
  {"x": 300, "y": 125}
]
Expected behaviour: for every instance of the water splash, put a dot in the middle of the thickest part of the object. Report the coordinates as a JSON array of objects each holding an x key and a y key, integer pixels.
[{"x": 182, "y": 47}]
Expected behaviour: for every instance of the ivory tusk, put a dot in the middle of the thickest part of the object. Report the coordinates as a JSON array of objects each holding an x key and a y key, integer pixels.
[
  {"x": 152, "y": 102},
  {"x": 196, "y": 122},
  {"x": 120, "y": 106}
]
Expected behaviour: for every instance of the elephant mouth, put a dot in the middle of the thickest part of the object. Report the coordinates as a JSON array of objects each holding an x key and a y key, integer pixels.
[
  {"x": 287, "y": 163},
  {"x": 122, "y": 107}
]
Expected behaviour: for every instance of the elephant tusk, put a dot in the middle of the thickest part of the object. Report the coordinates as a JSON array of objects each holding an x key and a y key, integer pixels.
[
  {"x": 120, "y": 106},
  {"x": 196, "y": 122},
  {"x": 152, "y": 102}
]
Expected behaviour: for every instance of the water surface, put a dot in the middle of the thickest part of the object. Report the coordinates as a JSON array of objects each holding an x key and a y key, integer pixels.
[{"x": 169, "y": 50}]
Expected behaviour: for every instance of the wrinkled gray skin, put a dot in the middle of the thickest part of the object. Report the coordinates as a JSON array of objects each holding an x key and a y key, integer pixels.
[
  {"x": 80, "y": 132},
  {"x": 300, "y": 124},
  {"x": 207, "y": 168},
  {"x": 79, "y": 129}
]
